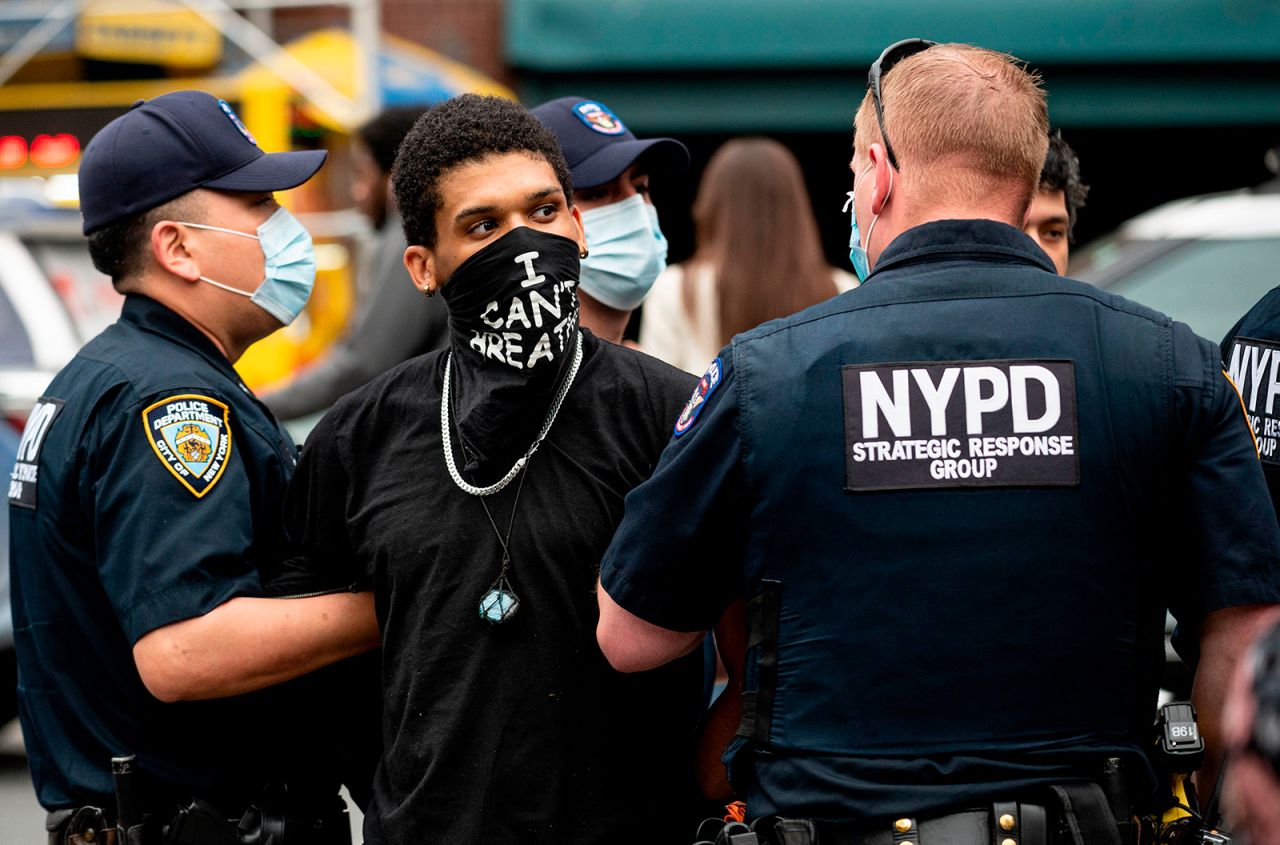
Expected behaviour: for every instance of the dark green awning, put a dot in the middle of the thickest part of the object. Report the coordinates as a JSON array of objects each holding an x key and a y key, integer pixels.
[{"x": 800, "y": 65}]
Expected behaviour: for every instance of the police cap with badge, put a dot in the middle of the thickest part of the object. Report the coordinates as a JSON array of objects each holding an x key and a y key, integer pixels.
[
  {"x": 170, "y": 145},
  {"x": 598, "y": 146}
]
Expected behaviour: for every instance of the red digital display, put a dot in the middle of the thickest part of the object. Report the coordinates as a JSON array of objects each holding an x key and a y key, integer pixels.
[
  {"x": 13, "y": 152},
  {"x": 47, "y": 152},
  {"x": 54, "y": 151}
]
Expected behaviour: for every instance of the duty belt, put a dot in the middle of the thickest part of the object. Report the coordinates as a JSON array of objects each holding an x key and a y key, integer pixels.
[
  {"x": 1079, "y": 815},
  {"x": 1008, "y": 823}
]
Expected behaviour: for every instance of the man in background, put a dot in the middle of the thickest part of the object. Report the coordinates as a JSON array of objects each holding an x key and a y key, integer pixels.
[
  {"x": 394, "y": 321},
  {"x": 611, "y": 170},
  {"x": 1051, "y": 220}
]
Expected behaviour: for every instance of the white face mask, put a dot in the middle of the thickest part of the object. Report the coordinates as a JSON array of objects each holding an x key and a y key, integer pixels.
[
  {"x": 628, "y": 252},
  {"x": 289, "y": 265}
]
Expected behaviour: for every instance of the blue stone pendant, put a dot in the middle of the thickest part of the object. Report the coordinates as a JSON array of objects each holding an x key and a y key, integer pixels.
[{"x": 500, "y": 603}]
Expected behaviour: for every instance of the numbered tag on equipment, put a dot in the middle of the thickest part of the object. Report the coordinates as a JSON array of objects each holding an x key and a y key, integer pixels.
[
  {"x": 26, "y": 469},
  {"x": 960, "y": 424},
  {"x": 1254, "y": 367}
]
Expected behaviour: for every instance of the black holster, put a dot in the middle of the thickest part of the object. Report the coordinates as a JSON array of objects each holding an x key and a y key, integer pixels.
[
  {"x": 270, "y": 820},
  {"x": 81, "y": 826}
]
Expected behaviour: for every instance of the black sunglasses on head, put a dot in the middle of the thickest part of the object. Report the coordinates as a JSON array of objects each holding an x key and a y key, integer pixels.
[{"x": 892, "y": 54}]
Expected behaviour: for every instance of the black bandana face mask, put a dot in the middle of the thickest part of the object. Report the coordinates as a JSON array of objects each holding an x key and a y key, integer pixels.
[{"x": 513, "y": 320}]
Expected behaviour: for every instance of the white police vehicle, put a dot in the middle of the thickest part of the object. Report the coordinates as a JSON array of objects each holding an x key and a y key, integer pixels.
[{"x": 1203, "y": 260}]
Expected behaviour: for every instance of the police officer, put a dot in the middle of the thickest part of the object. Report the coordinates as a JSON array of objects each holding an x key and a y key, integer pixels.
[
  {"x": 611, "y": 170},
  {"x": 145, "y": 502},
  {"x": 1251, "y": 353},
  {"x": 956, "y": 500}
]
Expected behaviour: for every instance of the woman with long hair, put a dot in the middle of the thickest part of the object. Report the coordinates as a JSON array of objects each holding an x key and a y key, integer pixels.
[{"x": 758, "y": 257}]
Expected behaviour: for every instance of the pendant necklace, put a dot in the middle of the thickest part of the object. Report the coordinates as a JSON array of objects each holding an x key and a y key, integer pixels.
[{"x": 500, "y": 602}]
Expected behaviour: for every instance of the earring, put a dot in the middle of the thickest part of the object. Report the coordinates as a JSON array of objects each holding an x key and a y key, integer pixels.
[
  {"x": 429, "y": 291},
  {"x": 584, "y": 253}
]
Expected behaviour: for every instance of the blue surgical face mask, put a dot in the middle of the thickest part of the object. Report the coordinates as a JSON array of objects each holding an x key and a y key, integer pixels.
[
  {"x": 290, "y": 265},
  {"x": 628, "y": 252},
  {"x": 857, "y": 250}
]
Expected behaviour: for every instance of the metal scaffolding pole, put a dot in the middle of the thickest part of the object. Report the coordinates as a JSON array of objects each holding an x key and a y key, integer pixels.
[
  {"x": 36, "y": 38},
  {"x": 249, "y": 35}
]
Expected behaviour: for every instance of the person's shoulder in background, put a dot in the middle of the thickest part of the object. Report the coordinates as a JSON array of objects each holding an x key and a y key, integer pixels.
[{"x": 844, "y": 280}]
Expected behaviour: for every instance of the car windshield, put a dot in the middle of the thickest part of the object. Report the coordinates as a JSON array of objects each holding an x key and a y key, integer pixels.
[
  {"x": 87, "y": 294},
  {"x": 1208, "y": 284},
  {"x": 15, "y": 344}
]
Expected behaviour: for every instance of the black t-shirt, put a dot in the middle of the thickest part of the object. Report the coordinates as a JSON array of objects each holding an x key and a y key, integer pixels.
[
  {"x": 1251, "y": 353},
  {"x": 518, "y": 733}
]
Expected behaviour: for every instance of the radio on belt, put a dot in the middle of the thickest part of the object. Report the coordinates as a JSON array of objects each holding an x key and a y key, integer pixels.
[{"x": 1178, "y": 738}]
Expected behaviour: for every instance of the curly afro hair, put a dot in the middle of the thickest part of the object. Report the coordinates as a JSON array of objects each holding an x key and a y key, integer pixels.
[
  {"x": 1062, "y": 173},
  {"x": 456, "y": 132}
]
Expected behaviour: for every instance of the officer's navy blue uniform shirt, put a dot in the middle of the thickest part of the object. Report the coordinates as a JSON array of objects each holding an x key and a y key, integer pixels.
[
  {"x": 971, "y": 487},
  {"x": 1251, "y": 351},
  {"x": 148, "y": 490}
]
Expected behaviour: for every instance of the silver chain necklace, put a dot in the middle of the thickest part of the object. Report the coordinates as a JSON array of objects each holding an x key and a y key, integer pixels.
[
  {"x": 500, "y": 602},
  {"x": 520, "y": 464}
]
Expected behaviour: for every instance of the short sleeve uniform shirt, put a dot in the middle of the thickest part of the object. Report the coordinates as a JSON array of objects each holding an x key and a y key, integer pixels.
[{"x": 148, "y": 490}]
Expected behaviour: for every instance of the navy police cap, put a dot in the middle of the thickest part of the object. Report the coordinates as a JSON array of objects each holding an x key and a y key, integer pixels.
[
  {"x": 167, "y": 146},
  {"x": 597, "y": 145}
]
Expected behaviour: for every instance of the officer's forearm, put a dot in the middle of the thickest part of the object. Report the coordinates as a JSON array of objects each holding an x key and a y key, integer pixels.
[
  {"x": 251, "y": 643},
  {"x": 1224, "y": 636}
]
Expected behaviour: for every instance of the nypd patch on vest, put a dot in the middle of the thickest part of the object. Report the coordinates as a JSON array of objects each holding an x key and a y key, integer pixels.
[
  {"x": 1254, "y": 367},
  {"x": 191, "y": 435},
  {"x": 26, "y": 468},
  {"x": 706, "y": 386},
  {"x": 960, "y": 424}
]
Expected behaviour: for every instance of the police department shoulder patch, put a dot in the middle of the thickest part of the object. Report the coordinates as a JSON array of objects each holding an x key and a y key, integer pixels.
[
  {"x": 706, "y": 386},
  {"x": 191, "y": 435},
  {"x": 598, "y": 118}
]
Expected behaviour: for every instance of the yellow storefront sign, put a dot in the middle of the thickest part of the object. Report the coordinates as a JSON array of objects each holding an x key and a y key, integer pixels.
[{"x": 157, "y": 32}]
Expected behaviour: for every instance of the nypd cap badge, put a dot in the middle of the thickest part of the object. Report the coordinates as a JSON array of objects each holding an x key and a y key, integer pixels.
[
  {"x": 191, "y": 435},
  {"x": 235, "y": 120},
  {"x": 598, "y": 118},
  {"x": 706, "y": 386}
]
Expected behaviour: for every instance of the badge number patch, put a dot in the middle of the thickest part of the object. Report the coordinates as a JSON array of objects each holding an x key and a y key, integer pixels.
[
  {"x": 191, "y": 435},
  {"x": 706, "y": 386},
  {"x": 1254, "y": 368},
  {"x": 26, "y": 469},
  {"x": 960, "y": 424}
]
